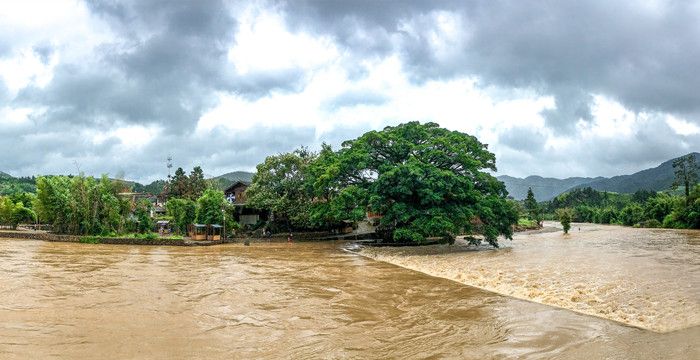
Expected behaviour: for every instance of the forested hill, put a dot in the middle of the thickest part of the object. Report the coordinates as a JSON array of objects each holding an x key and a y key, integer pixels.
[
  {"x": 656, "y": 179},
  {"x": 543, "y": 188},
  {"x": 5, "y": 175}
]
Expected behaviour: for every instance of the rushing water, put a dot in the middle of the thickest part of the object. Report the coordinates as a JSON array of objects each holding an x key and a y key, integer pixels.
[
  {"x": 641, "y": 277},
  {"x": 305, "y": 300}
]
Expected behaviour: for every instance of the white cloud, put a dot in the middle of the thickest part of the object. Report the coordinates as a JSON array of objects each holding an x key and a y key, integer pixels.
[
  {"x": 264, "y": 44},
  {"x": 682, "y": 127}
]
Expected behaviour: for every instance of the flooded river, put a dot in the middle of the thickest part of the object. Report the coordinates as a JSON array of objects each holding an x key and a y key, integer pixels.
[
  {"x": 305, "y": 300},
  {"x": 648, "y": 278}
]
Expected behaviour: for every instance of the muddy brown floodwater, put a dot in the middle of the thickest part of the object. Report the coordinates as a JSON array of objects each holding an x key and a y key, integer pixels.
[
  {"x": 649, "y": 278},
  {"x": 305, "y": 300}
]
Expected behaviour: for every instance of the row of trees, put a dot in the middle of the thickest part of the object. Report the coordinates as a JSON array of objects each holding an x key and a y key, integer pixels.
[
  {"x": 644, "y": 208},
  {"x": 425, "y": 181},
  {"x": 10, "y": 186},
  {"x": 660, "y": 210},
  {"x": 81, "y": 205}
]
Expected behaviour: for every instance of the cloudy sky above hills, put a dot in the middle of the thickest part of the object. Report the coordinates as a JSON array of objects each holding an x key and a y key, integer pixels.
[{"x": 556, "y": 88}]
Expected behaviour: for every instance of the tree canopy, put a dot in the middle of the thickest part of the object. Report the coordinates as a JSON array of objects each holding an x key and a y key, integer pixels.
[{"x": 425, "y": 181}]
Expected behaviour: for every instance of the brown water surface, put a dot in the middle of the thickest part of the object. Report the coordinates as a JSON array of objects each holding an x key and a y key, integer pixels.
[
  {"x": 648, "y": 278},
  {"x": 306, "y": 300}
]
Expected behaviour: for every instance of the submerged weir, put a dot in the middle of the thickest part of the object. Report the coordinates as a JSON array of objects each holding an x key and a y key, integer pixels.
[{"x": 648, "y": 278}]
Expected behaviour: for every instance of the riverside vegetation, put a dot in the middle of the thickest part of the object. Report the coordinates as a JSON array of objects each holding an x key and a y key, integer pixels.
[
  {"x": 675, "y": 208},
  {"x": 427, "y": 183}
]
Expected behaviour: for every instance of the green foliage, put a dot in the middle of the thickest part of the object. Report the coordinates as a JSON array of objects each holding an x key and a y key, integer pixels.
[
  {"x": 11, "y": 186},
  {"x": 584, "y": 213},
  {"x": 686, "y": 171},
  {"x": 280, "y": 186},
  {"x": 527, "y": 223},
  {"x": 659, "y": 206},
  {"x": 187, "y": 187},
  {"x": 89, "y": 240},
  {"x": 80, "y": 205},
  {"x": 533, "y": 209},
  {"x": 209, "y": 207},
  {"x": 142, "y": 214},
  {"x": 154, "y": 188},
  {"x": 426, "y": 181},
  {"x": 641, "y": 196},
  {"x": 631, "y": 214},
  {"x": 14, "y": 213},
  {"x": 565, "y": 216},
  {"x": 645, "y": 208},
  {"x": 183, "y": 212}
]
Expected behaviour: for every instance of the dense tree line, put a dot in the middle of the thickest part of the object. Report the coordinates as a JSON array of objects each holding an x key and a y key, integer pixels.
[
  {"x": 425, "y": 181},
  {"x": 12, "y": 186},
  {"x": 644, "y": 208},
  {"x": 84, "y": 205}
]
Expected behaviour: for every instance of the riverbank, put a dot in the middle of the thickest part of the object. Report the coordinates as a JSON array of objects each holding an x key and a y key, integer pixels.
[
  {"x": 645, "y": 278},
  {"x": 45, "y": 236}
]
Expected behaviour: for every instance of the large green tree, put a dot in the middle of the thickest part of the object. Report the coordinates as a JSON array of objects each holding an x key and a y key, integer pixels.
[{"x": 425, "y": 180}]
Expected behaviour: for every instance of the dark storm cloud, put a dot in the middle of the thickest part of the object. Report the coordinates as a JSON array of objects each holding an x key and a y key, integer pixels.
[
  {"x": 164, "y": 66},
  {"x": 643, "y": 57},
  {"x": 167, "y": 61}
]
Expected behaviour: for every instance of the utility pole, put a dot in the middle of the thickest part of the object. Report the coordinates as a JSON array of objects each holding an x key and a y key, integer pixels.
[
  {"x": 223, "y": 236},
  {"x": 169, "y": 164}
]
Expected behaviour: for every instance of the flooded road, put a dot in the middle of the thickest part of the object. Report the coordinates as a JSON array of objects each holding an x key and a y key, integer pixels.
[{"x": 306, "y": 300}]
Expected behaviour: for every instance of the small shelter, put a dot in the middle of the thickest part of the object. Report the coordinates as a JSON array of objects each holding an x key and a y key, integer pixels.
[
  {"x": 163, "y": 227},
  {"x": 197, "y": 231},
  {"x": 214, "y": 232}
]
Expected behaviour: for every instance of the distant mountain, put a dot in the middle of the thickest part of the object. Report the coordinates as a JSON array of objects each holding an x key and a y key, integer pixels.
[
  {"x": 657, "y": 179},
  {"x": 543, "y": 188},
  {"x": 5, "y": 175},
  {"x": 226, "y": 180}
]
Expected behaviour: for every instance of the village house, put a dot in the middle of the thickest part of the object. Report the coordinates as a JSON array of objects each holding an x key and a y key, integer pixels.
[{"x": 245, "y": 216}]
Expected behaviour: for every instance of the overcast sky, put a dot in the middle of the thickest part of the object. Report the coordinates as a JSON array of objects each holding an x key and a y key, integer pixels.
[{"x": 556, "y": 88}]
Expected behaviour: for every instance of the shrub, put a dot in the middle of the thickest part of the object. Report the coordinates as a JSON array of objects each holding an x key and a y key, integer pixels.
[
  {"x": 652, "y": 223},
  {"x": 89, "y": 240}
]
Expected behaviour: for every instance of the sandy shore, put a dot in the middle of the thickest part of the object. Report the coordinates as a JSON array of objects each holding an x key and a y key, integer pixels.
[{"x": 640, "y": 277}]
